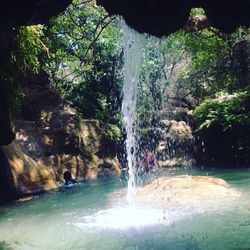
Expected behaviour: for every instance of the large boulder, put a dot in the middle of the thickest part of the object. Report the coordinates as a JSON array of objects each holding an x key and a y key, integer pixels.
[
  {"x": 24, "y": 175},
  {"x": 186, "y": 191},
  {"x": 183, "y": 193}
]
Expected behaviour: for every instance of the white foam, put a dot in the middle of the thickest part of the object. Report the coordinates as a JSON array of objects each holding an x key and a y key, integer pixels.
[{"x": 131, "y": 217}]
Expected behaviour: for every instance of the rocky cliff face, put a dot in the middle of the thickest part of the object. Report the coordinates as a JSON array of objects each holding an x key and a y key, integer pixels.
[
  {"x": 176, "y": 146},
  {"x": 171, "y": 140},
  {"x": 26, "y": 175},
  {"x": 50, "y": 140}
]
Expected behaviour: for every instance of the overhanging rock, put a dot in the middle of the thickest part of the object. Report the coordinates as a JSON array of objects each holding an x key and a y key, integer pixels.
[{"x": 161, "y": 17}]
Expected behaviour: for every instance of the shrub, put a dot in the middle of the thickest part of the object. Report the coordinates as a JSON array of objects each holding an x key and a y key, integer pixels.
[{"x": 227, "y": 114}]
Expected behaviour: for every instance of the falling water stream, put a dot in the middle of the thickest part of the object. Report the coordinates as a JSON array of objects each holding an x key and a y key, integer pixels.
[{"x": 132, "y": 65}]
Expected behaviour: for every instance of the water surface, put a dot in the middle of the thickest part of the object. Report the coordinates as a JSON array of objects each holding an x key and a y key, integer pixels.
[{"x": 82, "y": 217}]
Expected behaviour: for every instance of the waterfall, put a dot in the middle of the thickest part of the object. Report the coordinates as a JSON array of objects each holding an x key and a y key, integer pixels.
[{"x": 132, "y": 56}]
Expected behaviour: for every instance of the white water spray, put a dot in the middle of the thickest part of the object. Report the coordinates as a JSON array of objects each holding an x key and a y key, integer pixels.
[{"x": 132, "y": 56}]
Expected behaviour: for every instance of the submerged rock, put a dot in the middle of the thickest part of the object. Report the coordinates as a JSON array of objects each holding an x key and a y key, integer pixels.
[
  {"x": 187, "y": 191},
  {"x": 184, "y": 192}
]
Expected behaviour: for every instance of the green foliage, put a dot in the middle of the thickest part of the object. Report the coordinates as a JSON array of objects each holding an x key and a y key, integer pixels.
[
  {"x": 149, "y": 86},
  {"x": 85, "y": 59},
  {"x": 183, "y": 69},
  {"x": 227, "y": 114},
  {"x": 194, "y": 66},
  {"x": 103, "y": 112},
  {"x": 85, "y": 47},
  {"x": 111, "y": 132},
  {"x": 211, "y": 67},
  {"x": 144, "y": 117},
  {"x": 197, "y": 11},
  {"x": 15, "y": 95},
  {"x": 27, "y": 47},
  {"x": 159, "y": 60},
  {"x": 151, "y": 78}
]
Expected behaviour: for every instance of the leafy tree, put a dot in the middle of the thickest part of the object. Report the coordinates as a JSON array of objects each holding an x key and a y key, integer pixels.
[
  {"x": 26, "y": 56},
  {"x": 86, "y": 57},
  {"x": 85, "y": 63}
]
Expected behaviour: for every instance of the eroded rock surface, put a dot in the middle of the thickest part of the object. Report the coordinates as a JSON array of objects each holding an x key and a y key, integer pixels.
[
  {"x": 184, "y": 192},
  {"x": 171, "y": 141},
  {"x": 26, "y": 176},
  {"x": 52, "y": 134},
  {"x": 50, "y": 140}
]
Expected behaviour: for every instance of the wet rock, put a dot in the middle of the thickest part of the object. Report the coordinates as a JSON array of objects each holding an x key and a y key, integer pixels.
[
  {"x": 58, "y": 139},
  {"x": 186, "y": 191},
  {"x": 107, "y": 168},
  {"x": 172, "y": 143},
  {"x": 26, "y": 176},
  {"x": 175, "y": 163},
  {"x": 183, "y": 192},
  {"x": 175, "y": 130},
  {"x": 50, "y": 142}
]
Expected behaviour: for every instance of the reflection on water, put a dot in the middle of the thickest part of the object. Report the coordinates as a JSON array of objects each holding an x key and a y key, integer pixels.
[{"x": 82, "y": 217}]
